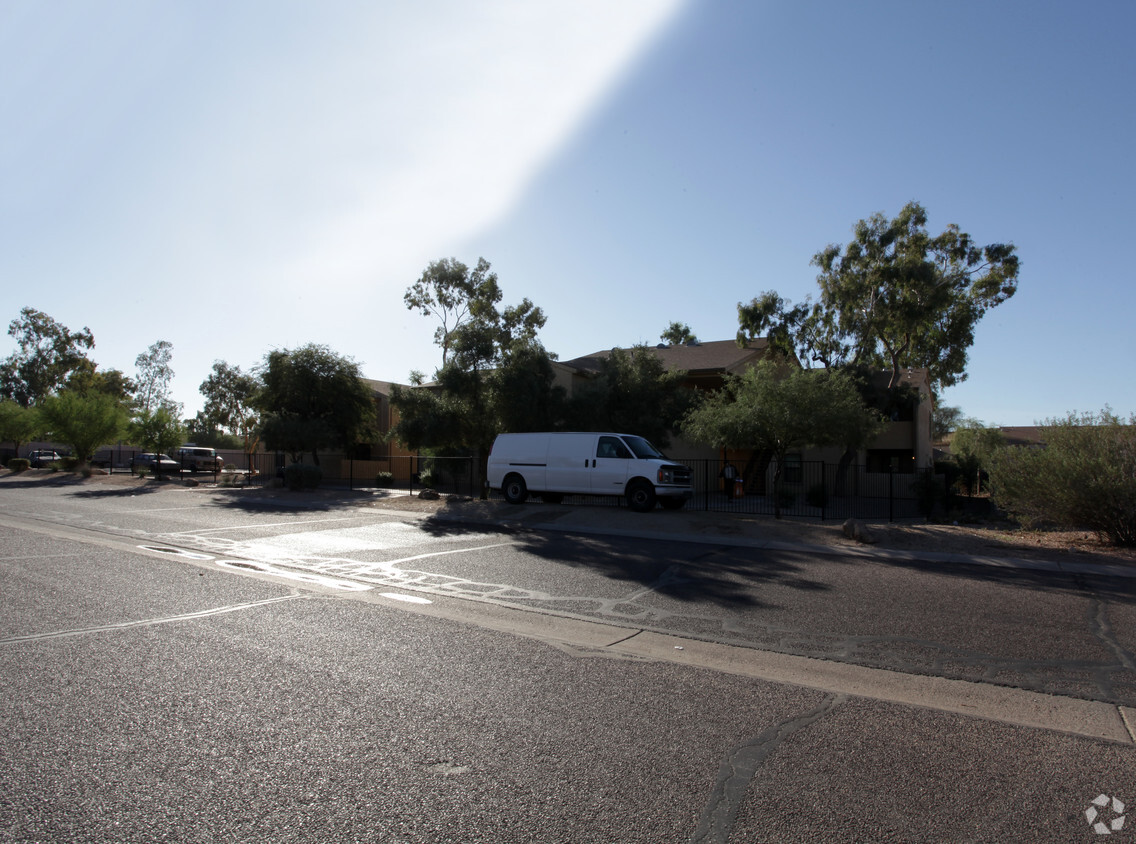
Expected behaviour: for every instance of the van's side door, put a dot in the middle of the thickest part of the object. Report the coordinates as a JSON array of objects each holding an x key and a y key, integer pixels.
[
  {"x": 611, "y": 465},
  {"x": 570, "y": 458}
]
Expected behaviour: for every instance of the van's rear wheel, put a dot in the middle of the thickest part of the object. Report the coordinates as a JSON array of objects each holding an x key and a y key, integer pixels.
[
  {"x": 641, "y": 497},
  {"x": 514, "y": 489}
]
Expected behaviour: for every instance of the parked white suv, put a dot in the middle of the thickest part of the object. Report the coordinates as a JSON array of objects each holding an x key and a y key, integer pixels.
[{"x": 196, "y": 458}]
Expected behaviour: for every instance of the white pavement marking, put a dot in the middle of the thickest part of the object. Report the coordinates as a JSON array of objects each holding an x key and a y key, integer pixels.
[
  {"x": 256, "y": 526},
  {"x": 149, "y": 622},
  {"x": 410, "y": 599},
  {"x": 303, "y": 577}
]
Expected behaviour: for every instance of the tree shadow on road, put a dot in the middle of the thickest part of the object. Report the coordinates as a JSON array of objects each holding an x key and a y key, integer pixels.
[{"x": 683, "y": 571}]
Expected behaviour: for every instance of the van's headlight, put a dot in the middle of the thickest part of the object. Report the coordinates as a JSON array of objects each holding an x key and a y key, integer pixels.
[{"x": 666, "y": 475}]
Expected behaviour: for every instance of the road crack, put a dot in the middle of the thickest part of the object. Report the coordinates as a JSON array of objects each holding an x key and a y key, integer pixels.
[{"x": 739, "y": 768}]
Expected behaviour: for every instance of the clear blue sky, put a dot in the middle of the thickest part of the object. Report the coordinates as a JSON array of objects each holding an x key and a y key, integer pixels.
[{"x": 240, "y": 176}]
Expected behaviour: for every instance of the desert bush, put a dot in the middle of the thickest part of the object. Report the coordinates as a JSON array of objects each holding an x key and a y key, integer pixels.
[
  {"x": 384, "y": 479},
  {"x": 1084, "y": 477},
  {"x": 427, "y": 478},
  {"x": 19, "y": 464},
  {"x": 930, "y": 491}
]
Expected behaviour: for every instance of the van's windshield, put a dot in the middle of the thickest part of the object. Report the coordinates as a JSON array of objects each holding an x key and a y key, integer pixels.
[{"x": 642, "y": 449}]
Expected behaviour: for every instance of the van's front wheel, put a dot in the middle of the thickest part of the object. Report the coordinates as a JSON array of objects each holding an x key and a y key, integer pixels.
[
  {"x": 641, "y": 497},
  {"x": 514, "y": 489}
]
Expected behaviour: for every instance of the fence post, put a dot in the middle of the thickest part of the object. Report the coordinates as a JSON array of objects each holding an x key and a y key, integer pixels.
[
  {"x": 823, "y": 490},
  {"x": 891, "y": 493}
]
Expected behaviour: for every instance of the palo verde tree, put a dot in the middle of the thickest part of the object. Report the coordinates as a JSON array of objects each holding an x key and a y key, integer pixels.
[
  {"x": 312, "y": 398},
  {"x": 974, "y": 446},
  {"x": 82, "y": 420},
  {"x": 157, "y": 430},
  {"x": 764, "y": 409},
  {"x": 48, "y": 352},
  {"x": 893, "y": 297},
  {"x": 18, "y": 424}
]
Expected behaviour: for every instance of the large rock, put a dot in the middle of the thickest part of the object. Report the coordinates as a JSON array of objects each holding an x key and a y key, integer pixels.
[{"x": 855, "y": 529}]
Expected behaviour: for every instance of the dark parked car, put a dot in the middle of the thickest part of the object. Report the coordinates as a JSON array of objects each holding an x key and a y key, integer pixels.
[
  {"x": 154, "y": 463},
  {"x": 39, "y": 459}
]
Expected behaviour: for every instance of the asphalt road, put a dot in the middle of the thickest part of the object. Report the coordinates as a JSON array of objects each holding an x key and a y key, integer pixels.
[{"x": 269, "y": 681}]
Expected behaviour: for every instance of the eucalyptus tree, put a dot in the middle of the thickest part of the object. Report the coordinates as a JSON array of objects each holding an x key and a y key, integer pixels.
[
  {"x": 152, "y": 386},
  {"x": 48, "y": 352},
  {"x": 894, "y": 297}
]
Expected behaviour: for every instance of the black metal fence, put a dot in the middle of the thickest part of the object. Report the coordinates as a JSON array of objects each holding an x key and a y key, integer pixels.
[
  {"x": 449, "y": 475},
  {"x": 803, "y": 489},
  {"x": 812, "y": 490}
]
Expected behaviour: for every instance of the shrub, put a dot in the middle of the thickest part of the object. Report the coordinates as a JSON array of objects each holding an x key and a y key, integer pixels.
[
  {"x": 299, "y": 476},
  {"x": 1084, "y": 477},
  {"x": 385, "y": 479},
  {"x": 19, "y": 464},
  {"x": 930, "y": 491},
  {"x": 427, "y": 478}
]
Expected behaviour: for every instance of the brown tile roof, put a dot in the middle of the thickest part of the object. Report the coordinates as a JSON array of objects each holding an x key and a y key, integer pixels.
[{"x": 710, "y": 357}]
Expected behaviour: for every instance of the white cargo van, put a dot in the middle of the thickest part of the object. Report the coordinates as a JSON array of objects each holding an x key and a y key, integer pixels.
[{"x": 554, "y": 464}]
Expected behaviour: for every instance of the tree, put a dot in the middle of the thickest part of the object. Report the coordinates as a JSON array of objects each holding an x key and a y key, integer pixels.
[
  {"x": 18, "y": 424},
  {"x": 451, "y": 292},
  {"x": 678, "y": 334},
  {"x": 229, "y": 394},
  {"x": 154, "y": 376},
  {"x": 82, "y": 420},
  {"x": 48, "y": 352},
  {"x": 763, "y": 409},
  {"x": 157, "y": 430},
  {"x": 631, "y": 393},
  {"x": 312, "y": 398},
  {"x": 894, "y": 297},
  {"x": 944, "y": 420},
  {"x": 495, "y": 373},
  {"x": 88, "y": 378},
  {"x": 525, "y": 396},
  {"x": 1084, "y": 477},
  {"x": 974, "y": 446}
]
